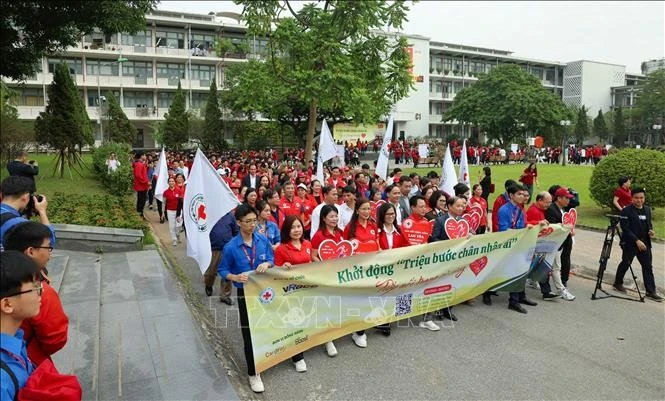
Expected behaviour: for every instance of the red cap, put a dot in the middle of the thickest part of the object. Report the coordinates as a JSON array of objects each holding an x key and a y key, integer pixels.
[{"x": 563, "y": 192}]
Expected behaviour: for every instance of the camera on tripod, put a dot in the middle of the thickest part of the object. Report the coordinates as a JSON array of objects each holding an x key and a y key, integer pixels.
[{"x": 614, "y": 218}]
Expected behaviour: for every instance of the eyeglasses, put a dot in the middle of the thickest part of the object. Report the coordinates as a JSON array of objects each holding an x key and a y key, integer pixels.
[
  {"x": 390, "y": 214},
  {"x": 37, "y": 288},
  {"x": 250, "y": 222},
  {"x": 50, "y": 248}
]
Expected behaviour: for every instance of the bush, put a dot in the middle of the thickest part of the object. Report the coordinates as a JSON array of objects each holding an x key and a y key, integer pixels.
[
  {"x": 95, "y": 210},
  {"x": 645, "y": 167},
  {"x": 119, "y": 182}
]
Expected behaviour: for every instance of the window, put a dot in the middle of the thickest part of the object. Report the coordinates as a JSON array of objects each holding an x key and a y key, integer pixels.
[
  {"x": 92, "y": 97},
  {"x": 438, "y": 63},
  {"x": 202, "y": 41},
  {"x": 138, "y": 140},
  {"x": 139, "y": 38},
  {"x": 102, "y": 67},
  {"x": 75, "y": 65},
  {"x": 170, "y": 70},
  {"x": 137, "y": 69},
  {"x": 447, "y": 64},
  {"x": 199, "y": 100},
  {"x": 202, "y": 72},
  {"x": 549, "y": 75},
  {"x": 137, "y": 99},
  {"x": 537, "y": 72},
  {"x": 164, "y": 99},
  {"x": 446, "y": 87},
  {"x": 457, "y": 65},
  {"x": 173, "y": 40},
  {"x": 29, "y": 97}
]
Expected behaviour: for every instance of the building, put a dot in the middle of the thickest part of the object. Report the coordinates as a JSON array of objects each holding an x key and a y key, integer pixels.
[
  {"x": 178, "y": 47},
  {"x": 653, "y": 65}
]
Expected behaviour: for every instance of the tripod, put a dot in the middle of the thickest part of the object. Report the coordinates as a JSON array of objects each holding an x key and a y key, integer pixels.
[{"x": 604, "y": 257}]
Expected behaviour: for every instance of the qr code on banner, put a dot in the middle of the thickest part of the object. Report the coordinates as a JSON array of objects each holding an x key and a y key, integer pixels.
[{"x": 403, "y": 304}]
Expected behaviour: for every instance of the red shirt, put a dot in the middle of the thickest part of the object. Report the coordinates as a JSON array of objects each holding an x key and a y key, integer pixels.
[
  {"x": 500, "y": 201},
  {"x": 46, "y": 333},
  {"x": 141, "y": 182},
  {"x": 625, "y": 198},
  {"x": 172, "y": 198},
  {"x": 323, "y": 234},
  {"x": 289, "y": 253},
  {"x": 534, "y": 214},
  {"x": 364, "y": 236},
  {"x": 417, "y": 229},
  {"x": 291, "y": 208},
  {"x": 483, "y": 204},
  {"x": 308, "y": 206},
  {"x": 528, "y": 176}
]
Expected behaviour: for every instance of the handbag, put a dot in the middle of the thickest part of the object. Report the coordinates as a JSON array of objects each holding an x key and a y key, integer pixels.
[{"x": 491, "y": 188}]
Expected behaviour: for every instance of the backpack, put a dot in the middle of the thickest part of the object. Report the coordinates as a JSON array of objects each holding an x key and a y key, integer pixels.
[
  {"x": 7, "y": 221},
  {"x": 46, "y": 383}
]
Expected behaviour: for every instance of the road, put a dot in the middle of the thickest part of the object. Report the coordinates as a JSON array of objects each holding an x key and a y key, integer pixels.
[{"x": 602, "y": 349}]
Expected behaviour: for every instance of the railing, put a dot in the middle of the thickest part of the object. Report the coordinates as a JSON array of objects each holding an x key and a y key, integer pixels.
[
  {"x": 435, "y": 118},
  {"x": 141, "y": 80}
]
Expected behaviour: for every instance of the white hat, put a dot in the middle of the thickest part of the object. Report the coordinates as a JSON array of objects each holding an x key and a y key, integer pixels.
[
  {"x": 221, "y": 171},
  {"x": 303, "y": 186}
]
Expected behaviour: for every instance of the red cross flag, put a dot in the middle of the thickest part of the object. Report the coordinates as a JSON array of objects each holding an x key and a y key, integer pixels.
[{"x": 207, "y": 198}]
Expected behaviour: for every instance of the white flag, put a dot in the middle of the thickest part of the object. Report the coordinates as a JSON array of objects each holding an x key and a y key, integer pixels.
[
  {"x": 207, "y": 199},
  {"x": 384, "y": 153},
  {"x": 463, "y": 176},
  {"x": 162, "y": 177},
  {"x": 448, "y": 176},
  {"x": 327, "y": 150}
]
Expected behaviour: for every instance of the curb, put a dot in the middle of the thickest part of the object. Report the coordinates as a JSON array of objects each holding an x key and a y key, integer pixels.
[
  {"x": 608, "y": 278},
  {"x": 603, "y": 230}
]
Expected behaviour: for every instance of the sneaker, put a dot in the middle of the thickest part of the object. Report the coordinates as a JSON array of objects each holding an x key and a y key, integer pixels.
[
  {"x": 550, "y": 296},
  {"x": 654, "y": 296},
  {"x": 256, "y": 383},
  {"x": 150, "y": 207},
  {"x": 301, "y": 366},
  {"x": 532, "y": 284},
  {"x": 429, "y": 325},
  {"x": 566, "y": 295},
  {"x": 331, "y": 349},
  {"x": 360, "y": 341},
  {"x": 619, "y": 287},
  {"x": 208, "y": 291},
  {"x": 174, "y": 243}
]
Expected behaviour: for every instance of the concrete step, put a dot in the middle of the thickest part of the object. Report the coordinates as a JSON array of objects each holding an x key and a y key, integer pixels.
[
  {"x": 92, "y": 239},
  {"x": 57, "y": 266}
]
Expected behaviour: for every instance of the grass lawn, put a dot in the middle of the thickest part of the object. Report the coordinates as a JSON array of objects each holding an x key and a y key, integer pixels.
[{"x": 577, "y": 177}]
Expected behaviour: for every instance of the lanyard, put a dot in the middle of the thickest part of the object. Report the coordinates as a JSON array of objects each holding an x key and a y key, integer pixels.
[
  {"x": 250, "y": 260},
  {"x": 516, "y": 217},
  {"x": 20, "y": 360}
]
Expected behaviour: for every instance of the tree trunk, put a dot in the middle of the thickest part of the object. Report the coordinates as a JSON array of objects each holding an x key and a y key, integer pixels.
[{"x": 311, "y": 128}]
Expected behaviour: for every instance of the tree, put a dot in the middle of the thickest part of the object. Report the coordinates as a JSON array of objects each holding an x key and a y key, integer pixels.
[
  {"x": 504, "y": 99},
  {"x": 619, "y": 138},
  {"x": 30, "y": 29},
  {"x": 599, "y": 126},
  {"x": 157, "y": 132},
  {"x": 121, "y": 130},
  {"x": 64, "y": 125},
  {"x": 332, "y": 56},
  {"x": 651, "y": 102},
  {"x": 176, "y": 122},
  {"x": 581, "y": 126},
  {"x": 212, "y": 135},
  {"x": 15, "y": 135}
]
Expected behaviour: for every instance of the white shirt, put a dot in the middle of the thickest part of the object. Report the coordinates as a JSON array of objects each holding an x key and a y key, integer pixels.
[
  {"x": 389, "y": 235},
  {"x": 252, "y": 181},
  {"x": 316, "y": 215},
  {"x": 185, "y": 171},
  {"x": 113, "y": 164},
  {"x": 345, "y": 214},
  {"x": 398, "y": 214}
]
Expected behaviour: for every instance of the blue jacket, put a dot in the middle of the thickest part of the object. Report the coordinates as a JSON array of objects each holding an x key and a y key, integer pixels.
[
  {"x": 511, "y": 216},
  {"x": 222, "y": 232},
  {"x": 272, "y": 232},
  {"x": 239, "y": 258},
  {"x": 5, "y": 208},
  {"x": 14, "y": 345}
]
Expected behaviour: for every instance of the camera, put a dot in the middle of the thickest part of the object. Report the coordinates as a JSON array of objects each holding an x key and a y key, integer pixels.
[
  {"x": 31, "y": 162},
  {"x": 30, "y": 210}
]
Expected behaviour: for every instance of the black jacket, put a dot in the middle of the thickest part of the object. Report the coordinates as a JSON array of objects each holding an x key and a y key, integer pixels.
[
  {"x": 246, "y": 182},
  {"x": 632, "y": 229},
  {"x": 21, "y": 169},
  {"x": 554, "y": 216}
]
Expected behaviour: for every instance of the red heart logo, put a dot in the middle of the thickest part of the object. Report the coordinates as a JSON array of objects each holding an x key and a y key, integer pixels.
[
  {"x": 545, "y": 232},
  {"x": 478, "y": 265},
  {"x": 456, "y": 228},
  {"x": 473, "y": 219},
  {"x": 478, "y": 208},
  {"x": 416, "y": 232},
  {"x": 570, "y": 218},
  {"x": 374, "y": 206},
  {"x": 330, "y": 249}
]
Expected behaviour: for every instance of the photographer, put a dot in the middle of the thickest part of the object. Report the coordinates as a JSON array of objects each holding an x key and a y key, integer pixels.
[
  {"x": 19, "y": 167},
  {"x": 17, "y": 200}
]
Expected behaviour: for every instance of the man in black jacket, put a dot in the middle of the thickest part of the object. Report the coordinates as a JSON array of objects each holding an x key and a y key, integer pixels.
[
  {"x": 637, "y": 231},
  {"x": 19, "y": 167},
  {"x": 561, "y": 267}
]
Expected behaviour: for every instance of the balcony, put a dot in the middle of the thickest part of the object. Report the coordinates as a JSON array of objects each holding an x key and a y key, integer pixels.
[
  {"x": 29, "y": 112},
  {"x": 141, "y": 80},
  {"x": 204, "y": 83},
  {"x": 436, "y": 118}
]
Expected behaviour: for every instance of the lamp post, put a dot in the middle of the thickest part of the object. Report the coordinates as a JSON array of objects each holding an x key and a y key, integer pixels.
[
  {"x": 564, "y": 148},
  {"x": 120, "y": 60},
  {"x": 656, "y": 127}
]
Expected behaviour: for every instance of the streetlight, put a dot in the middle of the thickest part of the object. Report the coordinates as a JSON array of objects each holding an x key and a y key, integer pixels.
[
  {"x": 99, "y": 95},
  {"x": 564, "y": 148},
  {"x": 656, "y": 127}
]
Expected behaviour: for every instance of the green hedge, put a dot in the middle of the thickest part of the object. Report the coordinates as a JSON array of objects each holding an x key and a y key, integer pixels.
[
  {"x": 645, "y": 167},
  {"x": 119, "y": 182},
  {"x": 95, "y": 210}
]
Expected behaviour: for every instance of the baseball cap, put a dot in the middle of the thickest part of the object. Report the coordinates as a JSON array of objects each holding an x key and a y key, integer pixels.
[
  {"x": 563, "y": 192},
  {"x": 303, "y": 186}
]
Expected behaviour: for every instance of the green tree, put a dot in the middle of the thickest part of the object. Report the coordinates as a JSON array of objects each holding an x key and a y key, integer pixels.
[
  {"x": 176, "y": 122},
  {"x": 332, "y": 56},
  {"x": 64, "y": 125},
  {"x": 30, "y": 29},
  {"x": 504, "y": 99},
  {"x": 599, "y": 126},
  {"x": 157, "y": 132},
  {"x": 651, "y": 103},
  {"x": 619, "y": 138},
  {"x": 15, "y": 134},
  {"x": 581, "y": 131},
  {"x": 212, "y": 136},
  {"x": 121, "y": 130}
]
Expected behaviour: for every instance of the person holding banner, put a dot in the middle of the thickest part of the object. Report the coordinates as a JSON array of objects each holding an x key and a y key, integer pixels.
[
  {"x": 293, "y": 250},
  {"x": 477, "y": 199},
  {"x": 246, "y": 252},
  {"x": 362, "y": 233},
  {"x": 511, "y": 216}
]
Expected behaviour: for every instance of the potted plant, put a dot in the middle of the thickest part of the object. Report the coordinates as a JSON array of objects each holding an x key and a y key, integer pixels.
[
  {"x": 446, "y": 72},
  {"x": 223, "y": 47}
]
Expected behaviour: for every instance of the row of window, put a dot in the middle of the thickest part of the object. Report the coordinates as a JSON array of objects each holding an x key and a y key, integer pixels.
[
  {"x": 35, "y": 97},
  {"x": 133, "y": 68},
  {"x": 457, "y": 64}
]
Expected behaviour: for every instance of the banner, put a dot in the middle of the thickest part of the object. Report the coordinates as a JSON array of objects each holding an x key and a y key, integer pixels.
[
  {"x": 352, "y": 132},
  {"x": 448, "y": 177},
  {"x": 291, "y": 311}
]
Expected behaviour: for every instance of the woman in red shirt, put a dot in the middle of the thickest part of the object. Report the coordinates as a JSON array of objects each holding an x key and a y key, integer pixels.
[
  {"x": 362, "y": 233},
  {"x": 389, "y": 234},
  {"x": 173, "y": 197},
  {"x": 293, "y": 250},
  {"x": 530, "y": 177},
  {"x": 477, "y": 199},
  {"x": 317, "y": 192},
  {"x": 622, "y": 195}
]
